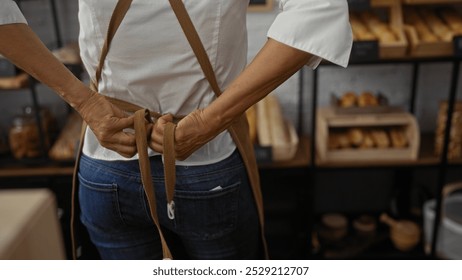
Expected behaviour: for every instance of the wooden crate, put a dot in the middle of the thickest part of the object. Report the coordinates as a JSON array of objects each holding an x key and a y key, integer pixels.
[
  {"x": 327, "y": 122},
  {"x": 455, "y": 136},
  {"x": 398, "y": 48},
  {"x": 393, "y": 9},
  {"x": 419, "y": 48}
]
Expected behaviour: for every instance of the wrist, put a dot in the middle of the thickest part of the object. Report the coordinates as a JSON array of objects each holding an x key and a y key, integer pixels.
[{"x": 82, "y": 99}]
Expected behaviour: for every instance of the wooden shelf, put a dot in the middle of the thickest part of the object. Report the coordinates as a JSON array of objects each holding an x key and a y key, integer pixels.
[
  {"x": 20, "y": 81},
  {"x": 37, "y": 171}
]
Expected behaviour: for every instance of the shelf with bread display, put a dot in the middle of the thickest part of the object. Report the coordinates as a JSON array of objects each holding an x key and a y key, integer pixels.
[
  {"x": 393, "y": 29},
  {"x": 343, "y": 137},
  {"x": 378, "y": 31},
  {"x": 363, "y": 130}
]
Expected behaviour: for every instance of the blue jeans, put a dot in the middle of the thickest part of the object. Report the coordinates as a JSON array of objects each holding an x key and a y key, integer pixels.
[{"x": 215, "y": 213}]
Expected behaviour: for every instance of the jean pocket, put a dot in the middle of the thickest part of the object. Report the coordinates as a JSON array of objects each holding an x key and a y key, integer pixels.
[
  {"x": 206, "y": 215},
  {"x": 99, "y": 204}
]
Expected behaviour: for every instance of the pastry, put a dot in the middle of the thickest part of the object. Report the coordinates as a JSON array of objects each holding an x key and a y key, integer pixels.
[
  {"x": 343, "y": 141},
  {"x": 348, "y": 100},
  {"x": 398, "y": 138},
  {"x": 355, "y": 137},
  {"x": 368, "y": 142},
  {"x": 367, "y": 99},
  {"x": 437, "y": 25},
  {"x": 380, "y": 137}
]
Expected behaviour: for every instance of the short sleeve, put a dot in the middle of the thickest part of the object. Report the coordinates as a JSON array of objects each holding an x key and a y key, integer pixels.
[
  {"x": 320, "y": 27},
  {"x": 10, "y": 13}
]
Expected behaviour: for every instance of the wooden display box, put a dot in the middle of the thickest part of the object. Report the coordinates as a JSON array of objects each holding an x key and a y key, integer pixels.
[
  {"x": 399, "y": 48},
  {"x": 418, "y": 48},
  {"x": 327, "y": 122},
  {"x": 394, "y": 18}
]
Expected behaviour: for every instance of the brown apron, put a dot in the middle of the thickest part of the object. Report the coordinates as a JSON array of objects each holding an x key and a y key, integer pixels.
[{"x": 239, "y": 130}]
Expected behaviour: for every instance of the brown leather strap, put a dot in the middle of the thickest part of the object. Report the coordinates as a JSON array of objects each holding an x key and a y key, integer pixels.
[
  {"x": 118, "y": 15},
  {"x": 194, "y": 40},
  {"x": 141, "y": 118}
]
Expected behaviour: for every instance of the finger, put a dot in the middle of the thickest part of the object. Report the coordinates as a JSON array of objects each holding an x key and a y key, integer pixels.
[
  {"x": 157, "y": 147},
  {"x": 165, "y": 118},
  {"x": 126, "y": 122},
  {"x": 125, "y": 139}
]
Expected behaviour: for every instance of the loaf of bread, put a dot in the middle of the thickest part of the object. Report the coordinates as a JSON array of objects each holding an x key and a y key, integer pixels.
[
  {"x": 366, "y": 99},
  {"x": 348, "y": 99},
  {"x": 66, "y": 145},
  {"x": 437, "y": 25},
  {"x": 380, "y": 137},
  {"x": 452, "y": 19},
  {"x": 379, "y": 28},
  {"x": 422, "y": 29},
  {"x": 398, "y": 138},
  {"x": 355, "y": 137},
  {"x": 279, "y": 133},
  {"x": 368, "y": 142},
  {"x": 360, "y": 30}
]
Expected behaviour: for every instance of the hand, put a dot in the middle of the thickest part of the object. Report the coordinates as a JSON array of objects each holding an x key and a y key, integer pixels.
[
  {"x": 108, "y": 122},
  {"x": 191, "y": 133}
]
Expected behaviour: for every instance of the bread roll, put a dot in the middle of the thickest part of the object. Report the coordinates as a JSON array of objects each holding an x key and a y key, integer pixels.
[
  {"x": 368, "y": 142},
  {"x": 279, "y": 134},
  {"x": 343, "y": 141},
  {"x": 437, "y": 25},
  {"x": 380, "y": 137},
  {"x": 348, "y": 99},
  {"x": 360, "y": 30},
  {"x": 355, "y": 137},
  {"x": 398, "y": 138},
  {"x": 378, "y": 27},
  {"x": 452, "y": 19},
  {"x": 366, "y": 99},
  {"x": 333, "y": 141},
  {"x": 423, "y": 30}
]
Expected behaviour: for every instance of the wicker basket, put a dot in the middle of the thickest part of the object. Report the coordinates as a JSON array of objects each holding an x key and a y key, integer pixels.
[{"x": 455, "y": 141}]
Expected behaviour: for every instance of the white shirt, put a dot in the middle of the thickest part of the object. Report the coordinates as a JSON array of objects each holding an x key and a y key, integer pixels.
[{"x": 150, "y": 62}]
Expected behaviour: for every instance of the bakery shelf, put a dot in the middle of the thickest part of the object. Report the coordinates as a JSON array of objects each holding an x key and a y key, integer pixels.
[{"x": 37, "y": 171}]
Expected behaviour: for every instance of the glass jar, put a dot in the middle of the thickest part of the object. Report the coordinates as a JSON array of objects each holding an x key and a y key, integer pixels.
[
  {"x": 24, "y": 138},
  {"x": 49, "y": 124}
]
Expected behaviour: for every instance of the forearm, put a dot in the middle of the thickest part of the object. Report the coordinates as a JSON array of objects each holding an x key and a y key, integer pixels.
[
  {"x": 272, "y": 66},
  {"x": 22, "y": 47}
]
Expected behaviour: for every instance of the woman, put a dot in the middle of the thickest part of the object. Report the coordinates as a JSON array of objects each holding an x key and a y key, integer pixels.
[{"x": 151, "y": 64}]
